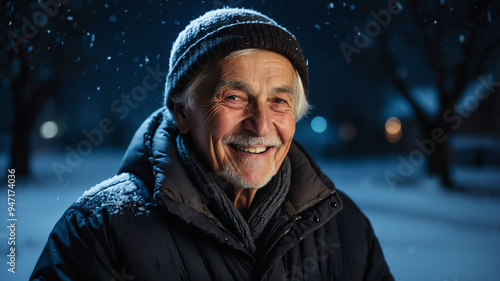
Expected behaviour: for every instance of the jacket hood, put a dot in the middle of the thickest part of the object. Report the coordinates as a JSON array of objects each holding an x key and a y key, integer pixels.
[{"x": 152, "y": 156}]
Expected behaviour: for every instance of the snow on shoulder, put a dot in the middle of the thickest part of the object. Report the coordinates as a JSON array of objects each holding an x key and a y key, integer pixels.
[{"x": 114, "y": 195}]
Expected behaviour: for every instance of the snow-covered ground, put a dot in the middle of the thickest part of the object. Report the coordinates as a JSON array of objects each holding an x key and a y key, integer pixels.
[{"x": 426, "y": 233}]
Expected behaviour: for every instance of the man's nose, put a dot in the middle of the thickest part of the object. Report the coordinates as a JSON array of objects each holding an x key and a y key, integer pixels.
[{"x": 259, "y": 121}]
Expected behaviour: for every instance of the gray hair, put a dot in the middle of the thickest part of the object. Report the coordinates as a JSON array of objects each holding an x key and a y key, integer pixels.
[{"x": 188, "y": 96}]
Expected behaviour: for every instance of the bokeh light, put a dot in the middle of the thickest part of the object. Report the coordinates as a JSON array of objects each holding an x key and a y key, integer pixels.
[
  {"x": 393, "y": 129},
  {"x": 48, "y": 130},
  {"x": 347, "y": 131},
  {"x": 319, "y": 124}
]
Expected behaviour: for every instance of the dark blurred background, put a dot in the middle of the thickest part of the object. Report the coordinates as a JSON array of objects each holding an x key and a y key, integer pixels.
[
  {"x": 384, "y": 75},
  {"x": 410, "y": 86}
]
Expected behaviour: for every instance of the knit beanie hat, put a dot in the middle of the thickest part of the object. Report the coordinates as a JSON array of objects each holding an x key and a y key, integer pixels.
[{"x": 219, "y": 32}]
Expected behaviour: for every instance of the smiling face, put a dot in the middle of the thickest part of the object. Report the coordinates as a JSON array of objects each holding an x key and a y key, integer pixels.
[{"x": 244, "y": 120}]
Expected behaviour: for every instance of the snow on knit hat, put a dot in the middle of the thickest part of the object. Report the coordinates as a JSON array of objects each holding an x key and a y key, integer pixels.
[{"x": 220, "y": 32}]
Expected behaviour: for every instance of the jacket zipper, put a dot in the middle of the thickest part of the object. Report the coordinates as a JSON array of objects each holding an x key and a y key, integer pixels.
[{"x": 284, "y": 233}]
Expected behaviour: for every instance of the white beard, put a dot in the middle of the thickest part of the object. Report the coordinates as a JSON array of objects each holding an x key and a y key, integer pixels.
[{"x": 237, "y": 180}]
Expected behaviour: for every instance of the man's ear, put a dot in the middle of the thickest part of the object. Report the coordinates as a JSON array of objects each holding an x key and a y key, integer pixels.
[{"x": 181, "y": 118}]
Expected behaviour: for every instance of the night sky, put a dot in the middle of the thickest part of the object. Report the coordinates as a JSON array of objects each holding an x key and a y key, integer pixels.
[{"x": 89, "y": 57}]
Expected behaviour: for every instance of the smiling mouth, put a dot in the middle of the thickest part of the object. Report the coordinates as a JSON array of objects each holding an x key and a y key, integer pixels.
[{"x": 253, "y": 150}]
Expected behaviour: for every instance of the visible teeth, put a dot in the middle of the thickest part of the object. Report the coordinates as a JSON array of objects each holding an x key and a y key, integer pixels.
[{"x": 251, "y": 149}]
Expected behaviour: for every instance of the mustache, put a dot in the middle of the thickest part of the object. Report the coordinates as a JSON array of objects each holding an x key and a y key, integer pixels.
[{"x": 245, "y": 140}]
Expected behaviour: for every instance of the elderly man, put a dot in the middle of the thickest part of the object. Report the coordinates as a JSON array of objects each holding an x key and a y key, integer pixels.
[{"x": 213, "y": 187}]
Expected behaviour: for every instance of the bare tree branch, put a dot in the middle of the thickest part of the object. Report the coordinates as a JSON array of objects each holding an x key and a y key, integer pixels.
[
  {"x": 485, "y": 54},
  {"x": 463, "y": 76},
  {"x": 432, "y": 43},
  {"x": 433, "y": 46},
  {"x": 391, "y": 67}
]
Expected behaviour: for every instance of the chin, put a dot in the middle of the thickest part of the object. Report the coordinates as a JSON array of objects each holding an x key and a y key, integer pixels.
[{"x": 236, "y": 179}]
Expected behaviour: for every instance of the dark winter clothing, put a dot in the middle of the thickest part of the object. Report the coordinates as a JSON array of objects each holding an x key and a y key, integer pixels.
[
  {"x": 152, "y": 222},
  {"x": 220, "y": 32},
  {"x": 264, "y": 206}
]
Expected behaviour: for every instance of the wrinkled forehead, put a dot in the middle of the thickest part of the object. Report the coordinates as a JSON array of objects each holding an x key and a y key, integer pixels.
[{"x": 259, "y": 67}]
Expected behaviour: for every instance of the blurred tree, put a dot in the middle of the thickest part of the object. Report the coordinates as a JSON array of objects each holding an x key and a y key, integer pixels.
[
  {"x": 33, "y": 65},
  {"x": 461, "y": 42}
]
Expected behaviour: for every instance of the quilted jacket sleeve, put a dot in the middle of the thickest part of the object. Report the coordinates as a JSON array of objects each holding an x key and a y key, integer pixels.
[{"x": 76, "y": 250}]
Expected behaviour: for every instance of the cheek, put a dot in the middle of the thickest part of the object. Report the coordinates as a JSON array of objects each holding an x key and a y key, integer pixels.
[
  {"x": 286, "y": 128},
  {"x": 208, "y": 121},
  {"x": 225, "y": 122},
  {"x": 217, "y": 123},
  {"x": 203, "y": 126}
]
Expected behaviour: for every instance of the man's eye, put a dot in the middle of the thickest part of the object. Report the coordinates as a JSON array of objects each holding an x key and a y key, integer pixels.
[
  {"x": 234, "y": 100},
  {"x": 233, "y": 97},
  {"x": 280, "y": 101}
]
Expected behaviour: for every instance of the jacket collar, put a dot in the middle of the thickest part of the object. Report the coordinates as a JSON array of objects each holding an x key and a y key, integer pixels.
[{"x": 152, "y": 155}]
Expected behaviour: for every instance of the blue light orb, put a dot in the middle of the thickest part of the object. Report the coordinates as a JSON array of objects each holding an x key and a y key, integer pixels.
[{"x": 319, "y": 124}]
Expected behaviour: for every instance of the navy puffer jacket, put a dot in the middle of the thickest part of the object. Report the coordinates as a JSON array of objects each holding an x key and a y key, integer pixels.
[{"x": 150, "y": 223}]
